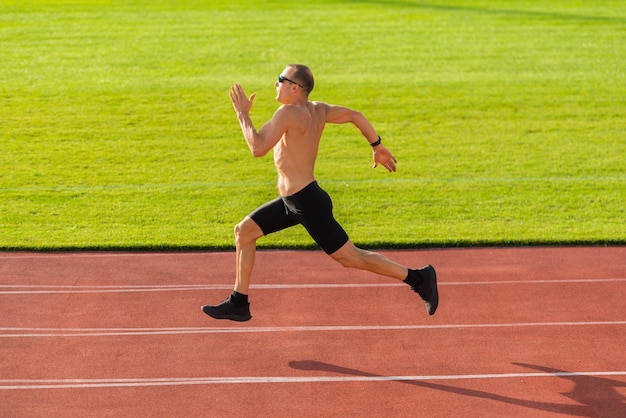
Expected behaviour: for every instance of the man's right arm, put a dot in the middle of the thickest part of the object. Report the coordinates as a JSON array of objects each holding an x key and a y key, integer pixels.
[{"x": 270, "y": 133}]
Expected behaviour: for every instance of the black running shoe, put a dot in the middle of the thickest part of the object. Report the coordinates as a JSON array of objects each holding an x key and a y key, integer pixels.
[
  {"x": 228, "y": 310},
  {"x": 428, "y": 290}
]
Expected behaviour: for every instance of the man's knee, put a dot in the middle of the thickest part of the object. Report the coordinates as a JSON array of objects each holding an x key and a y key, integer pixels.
[
  {"x": 347, "y": 262},
  {"x": 348, "y": 256},
  {"x": 247, "y": 231}
]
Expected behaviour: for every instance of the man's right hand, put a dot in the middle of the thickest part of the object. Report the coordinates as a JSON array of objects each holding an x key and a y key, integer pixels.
[{"x": 241, "y": 103}]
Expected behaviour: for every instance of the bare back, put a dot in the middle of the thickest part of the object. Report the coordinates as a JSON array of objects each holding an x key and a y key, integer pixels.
[{"x": 296, "y": 151}]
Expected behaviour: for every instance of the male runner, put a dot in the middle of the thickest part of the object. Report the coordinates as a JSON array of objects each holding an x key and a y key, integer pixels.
[{"x": 294, "y": 133}]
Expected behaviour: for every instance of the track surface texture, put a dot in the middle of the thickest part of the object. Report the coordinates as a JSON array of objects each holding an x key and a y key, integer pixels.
[{"x": 519, "y": 332}]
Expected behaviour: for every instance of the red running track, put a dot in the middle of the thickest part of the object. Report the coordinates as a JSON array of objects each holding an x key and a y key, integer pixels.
[{"x": 519, "y": 332}]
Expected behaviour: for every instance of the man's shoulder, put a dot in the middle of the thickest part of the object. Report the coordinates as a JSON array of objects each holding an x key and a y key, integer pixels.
[
  {"x": 284, "y": 111},
  {"x": 291, "y": 110},
  {"x": 320, "y": 108},
  {"x": 319, "y": 104},
  {"x": 302, "y": 105}
]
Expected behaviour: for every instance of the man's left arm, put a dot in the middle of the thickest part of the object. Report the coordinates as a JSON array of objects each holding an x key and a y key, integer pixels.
[{"x": 340, "y": 115}]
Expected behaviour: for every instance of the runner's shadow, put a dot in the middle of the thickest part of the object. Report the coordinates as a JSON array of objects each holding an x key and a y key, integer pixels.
[{"x": 597, "y": 396}]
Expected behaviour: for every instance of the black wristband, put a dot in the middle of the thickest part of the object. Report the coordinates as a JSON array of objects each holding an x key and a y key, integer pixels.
[{"x": 376, "y": 143}]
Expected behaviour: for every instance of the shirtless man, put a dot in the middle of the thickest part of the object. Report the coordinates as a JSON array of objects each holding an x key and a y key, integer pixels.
[{"x": 294, "y": 132}]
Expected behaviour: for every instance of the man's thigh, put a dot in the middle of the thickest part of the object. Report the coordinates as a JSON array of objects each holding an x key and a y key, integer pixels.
[{"x": 272, "y": 217}]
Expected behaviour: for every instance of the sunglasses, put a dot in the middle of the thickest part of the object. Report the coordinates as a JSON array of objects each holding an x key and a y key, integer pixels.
[{"x": 281, "y": 78}]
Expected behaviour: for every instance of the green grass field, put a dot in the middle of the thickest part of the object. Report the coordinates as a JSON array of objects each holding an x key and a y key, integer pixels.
[{"x": 508, "y": 119}]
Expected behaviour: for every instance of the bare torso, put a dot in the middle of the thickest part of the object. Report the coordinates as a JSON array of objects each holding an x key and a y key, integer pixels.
[
  {"x": 294, "y": 132},
  {"x": 296, "y": 151}
]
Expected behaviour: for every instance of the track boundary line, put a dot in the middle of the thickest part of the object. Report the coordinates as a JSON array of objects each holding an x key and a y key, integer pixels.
[
  {"x": 22, "y": 289},
  {"x": 21, "y": 384},
  {"x": 15, "y": 332},
  {"x": 33, "y": 254}
]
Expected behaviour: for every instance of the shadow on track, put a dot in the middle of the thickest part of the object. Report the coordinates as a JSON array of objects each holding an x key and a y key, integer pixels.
[{"x": 597, "y": 396}]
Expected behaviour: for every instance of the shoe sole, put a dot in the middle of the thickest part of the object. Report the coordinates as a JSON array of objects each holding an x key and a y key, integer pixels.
[
  {"x": 214, "y": 313},
  {"x": 433, "y": 303}
]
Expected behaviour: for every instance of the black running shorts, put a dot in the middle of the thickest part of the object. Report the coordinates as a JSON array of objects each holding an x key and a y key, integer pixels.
[{"x": 312, "y": 208}]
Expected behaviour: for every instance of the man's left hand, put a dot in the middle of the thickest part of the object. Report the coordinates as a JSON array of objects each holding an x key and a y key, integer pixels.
[{"x": 385, "y": 158}]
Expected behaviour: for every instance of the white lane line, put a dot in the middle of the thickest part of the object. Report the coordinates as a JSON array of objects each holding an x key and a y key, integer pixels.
[
  {"x": 22, "y": 289},
  {"x": 18, "y": 384},
  {"x": 10, "y": 332}
]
